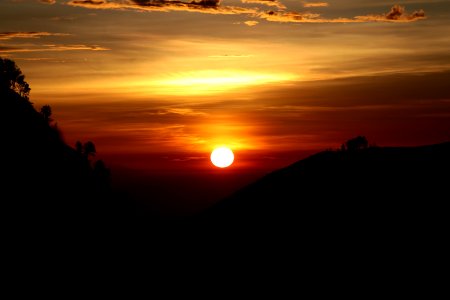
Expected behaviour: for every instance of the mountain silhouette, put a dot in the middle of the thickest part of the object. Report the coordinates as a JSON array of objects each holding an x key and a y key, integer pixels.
[
  {"x": 43, "y": 180},
  {"x": 391, "y": 191}
]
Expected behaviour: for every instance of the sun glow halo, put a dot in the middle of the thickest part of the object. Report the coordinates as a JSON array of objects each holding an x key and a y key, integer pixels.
[
  {"x": 222, "y": 157},
  {"x": 205, "y": 82}
]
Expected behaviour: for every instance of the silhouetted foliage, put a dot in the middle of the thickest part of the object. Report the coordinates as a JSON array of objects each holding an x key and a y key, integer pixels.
[
  {"x": 79, "y": 147},
  {"x": 102, "y": 174},
  {"x": 11, "y": 78},
  {"x": 89, "y": 149},
  {"x": 357, "y": 143},
  {"x": 46, "y": 111},
  {"x": 42, "y": 179}
]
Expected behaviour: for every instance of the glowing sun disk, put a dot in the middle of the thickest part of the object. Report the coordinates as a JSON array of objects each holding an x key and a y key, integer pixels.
[{"x": 222, "y": 157}]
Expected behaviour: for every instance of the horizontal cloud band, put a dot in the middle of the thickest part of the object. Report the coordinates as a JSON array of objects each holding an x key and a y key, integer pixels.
[{"x": 396, "y": 14}]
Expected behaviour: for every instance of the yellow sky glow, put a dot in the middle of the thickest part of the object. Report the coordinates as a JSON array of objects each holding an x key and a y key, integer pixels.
[{"x": 215, "y": 81}]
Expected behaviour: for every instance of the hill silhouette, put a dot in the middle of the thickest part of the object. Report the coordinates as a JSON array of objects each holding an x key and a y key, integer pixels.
[
  {"x": 392, "y": 191},
  {"x": 43, "y": 180}
]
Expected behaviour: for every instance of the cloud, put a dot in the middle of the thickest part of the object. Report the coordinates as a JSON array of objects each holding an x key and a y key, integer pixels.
[
  {"x": 201, "y": 6},
  {"x": 65, "y": 18},
  {"x": 52, "y": 48},
  {"x": 182, "y": 112},
  {"x": 288, "y": 17},
  {"x": 99, "y": 4},
  {"x": 27, "y": 35},
  {"x": 315, "y": 4},
  {"x": 76, "y": 47},
  {"x": 274, "y": 3},
  {"x": 6, "y": 36},
  {"x": 48, "y": 1},
  {"x": 36, "y": 59},
  {"x": 251, "y": 23},
  {"x": 396, "y": 14},
  {"x": 188, "y": 158}
]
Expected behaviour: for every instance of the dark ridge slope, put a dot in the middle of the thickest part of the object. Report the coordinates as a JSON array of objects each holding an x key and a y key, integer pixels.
[{"x": 377, "y": 189}]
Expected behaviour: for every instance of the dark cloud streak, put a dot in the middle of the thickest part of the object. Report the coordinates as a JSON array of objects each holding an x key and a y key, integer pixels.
[
  {"x": 396, "y": 14},
  {"x": 274, "y": 3},
  {"x": 201, "y": 6}
]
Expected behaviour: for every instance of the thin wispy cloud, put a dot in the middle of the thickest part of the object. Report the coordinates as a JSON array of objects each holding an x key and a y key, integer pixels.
[
  {"x": 396, "y": 14},
  {"x": 315, "y": 4},
  {"x": 51, "y": 48},
  {"x": 66, "y": 18},
  {"x": 289, "y": 17},
  {"x": 188, "y": 158},
  {"x": 35, "y": 59},
  {"x": 27, "y": 35},
  {"x": 274, "y": 3},
  {"x": 251, "y": 23}
]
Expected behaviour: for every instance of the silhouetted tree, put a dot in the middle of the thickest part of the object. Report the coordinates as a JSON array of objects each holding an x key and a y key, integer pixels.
[
  {"x": 89, "y": 149},
  {"x": 11, "y": 78},
  {"x": 357, "y": 143},
  {"x": 46, "y": 111},
  {"x": 79, "y": 147},
  {"x": 76, "y": 187},
  {"x": 102, "y": 174}
]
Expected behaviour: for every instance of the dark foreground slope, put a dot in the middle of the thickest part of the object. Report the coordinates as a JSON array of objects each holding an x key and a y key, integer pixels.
[{"x": 386, "y": 190}]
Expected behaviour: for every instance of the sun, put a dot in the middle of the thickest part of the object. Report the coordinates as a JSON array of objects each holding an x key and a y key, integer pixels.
[{"x": 222, "y": 157}]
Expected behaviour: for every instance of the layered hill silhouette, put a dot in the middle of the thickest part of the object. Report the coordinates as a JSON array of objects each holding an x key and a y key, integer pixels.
[
  {"x": 43, "y": 180},
  {"x": 354, "y": 192}
]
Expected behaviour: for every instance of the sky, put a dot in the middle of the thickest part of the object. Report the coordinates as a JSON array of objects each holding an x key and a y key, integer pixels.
[{"x": 159, "y": 84}]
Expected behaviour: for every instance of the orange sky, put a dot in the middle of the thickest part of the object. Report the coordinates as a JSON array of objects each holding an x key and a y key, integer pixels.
[{"x": 268, "y": 78}]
